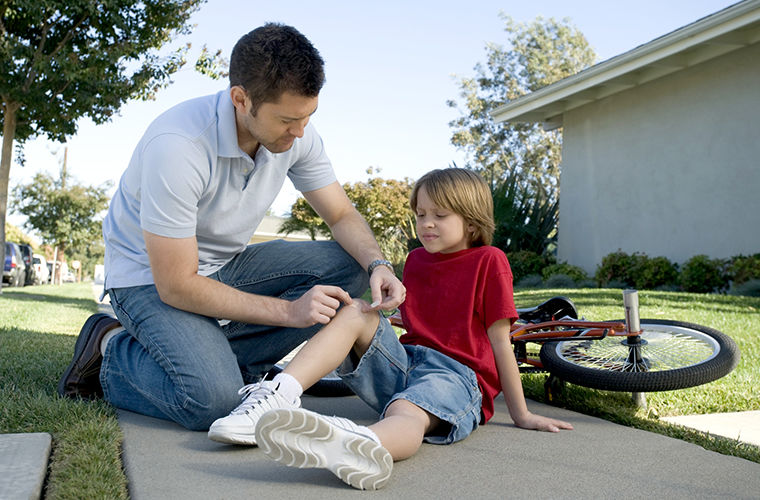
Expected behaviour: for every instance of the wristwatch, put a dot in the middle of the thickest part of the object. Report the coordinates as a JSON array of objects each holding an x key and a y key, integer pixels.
[{"x": 379, "y": 262}]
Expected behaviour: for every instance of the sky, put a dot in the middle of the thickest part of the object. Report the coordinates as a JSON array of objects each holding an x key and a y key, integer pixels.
[{"x": 391, "y": 66}]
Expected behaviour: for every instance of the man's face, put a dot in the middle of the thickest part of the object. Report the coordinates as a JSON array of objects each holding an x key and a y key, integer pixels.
[{"x": 277, "y": 124}]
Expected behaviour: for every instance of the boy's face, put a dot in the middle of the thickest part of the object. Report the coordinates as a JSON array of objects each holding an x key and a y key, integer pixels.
[{"x": 440, "y": 229}]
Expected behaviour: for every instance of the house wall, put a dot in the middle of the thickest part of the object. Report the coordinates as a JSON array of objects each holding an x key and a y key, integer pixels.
[{"x": 670, "y": 168}]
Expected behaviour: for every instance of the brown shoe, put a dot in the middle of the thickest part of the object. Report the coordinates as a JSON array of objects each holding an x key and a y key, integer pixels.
[{"x": 82, "y": 378}]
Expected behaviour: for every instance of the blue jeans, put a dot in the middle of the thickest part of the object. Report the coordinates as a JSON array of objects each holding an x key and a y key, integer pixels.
[{"x": 181, "y": 366}]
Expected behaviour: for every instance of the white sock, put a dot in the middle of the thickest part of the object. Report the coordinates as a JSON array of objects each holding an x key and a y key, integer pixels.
[
  {"x": 109, "y": 336},
  {"x": 289, "y": 386}
]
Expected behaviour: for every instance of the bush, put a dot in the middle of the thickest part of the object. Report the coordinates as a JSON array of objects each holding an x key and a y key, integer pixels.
[
  {"x": 618, "y": 267},
  {"x": 658, "y": 272},
  {"x": 701, "y": 274},
  {"x": 744, "y": 268},
  {"x": 559, "y": 281},
  {"x": 531, "y": 281},
  {"x": 750, "y": 288},
  {"x": 524, "y": 263},
  {"x": 574, "y": 272}
]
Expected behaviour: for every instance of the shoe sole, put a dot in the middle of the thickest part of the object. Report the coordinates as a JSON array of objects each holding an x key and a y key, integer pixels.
[
  {"x": 303, "y": 439},
  {"x": 227, "y": 437},
  {"x": 89, "y": 326}
]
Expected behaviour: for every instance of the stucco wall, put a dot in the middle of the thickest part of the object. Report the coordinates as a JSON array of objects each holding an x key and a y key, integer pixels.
[{"x": 668, "y": 168}]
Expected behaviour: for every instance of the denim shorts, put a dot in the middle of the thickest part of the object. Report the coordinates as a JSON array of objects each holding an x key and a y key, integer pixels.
[{"x": 426, "y": 378}]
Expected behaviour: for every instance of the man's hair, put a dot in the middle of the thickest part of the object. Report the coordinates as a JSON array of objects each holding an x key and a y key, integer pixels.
[
  {"x": 463, "y": 192},
  {"x": 273, "y": 59}
]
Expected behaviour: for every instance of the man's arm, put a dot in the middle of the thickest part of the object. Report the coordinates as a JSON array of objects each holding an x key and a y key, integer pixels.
[
  {"x": 351, "y": 231},
  {"x": 174, "y": 263}
]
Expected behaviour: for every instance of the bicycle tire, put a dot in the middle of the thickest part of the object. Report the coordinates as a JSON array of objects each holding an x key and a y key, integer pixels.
[
  {"x": 678, "y": 355},
  {"x": 329, "y": 386}
]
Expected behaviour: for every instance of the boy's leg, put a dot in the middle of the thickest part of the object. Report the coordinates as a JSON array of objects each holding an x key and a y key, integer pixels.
[
  {"x": 403, "y": 427},
  {"x": 301, "y": 438},
  {"x": 286, "y": 270},
  {"x": 350, "y": 328}
]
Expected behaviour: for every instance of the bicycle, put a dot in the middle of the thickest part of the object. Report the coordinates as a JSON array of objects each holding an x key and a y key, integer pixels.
[{"x": 629, "y": 355}]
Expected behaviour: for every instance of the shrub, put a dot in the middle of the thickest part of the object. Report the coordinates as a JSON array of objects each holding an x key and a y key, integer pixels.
[
  {"x": 574, "y": 272},
  {"x": 657, "y": 272},
  {"x": 531, "y": 281},
  {"x": 559, "y": 281},
  {"x": 617, "y": 266},
  {"x": 525, "y": 262},
  {"x": 701, "y": 274},
  {"x": 744, "y": 268},
  {"x": 750, "y": 288}
]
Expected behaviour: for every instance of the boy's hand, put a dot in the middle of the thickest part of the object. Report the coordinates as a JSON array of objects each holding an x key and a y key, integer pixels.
[{"x": 545, "y": 424}]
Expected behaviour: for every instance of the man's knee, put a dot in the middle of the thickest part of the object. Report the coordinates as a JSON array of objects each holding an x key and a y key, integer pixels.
[{"x": 209, "y": 403}]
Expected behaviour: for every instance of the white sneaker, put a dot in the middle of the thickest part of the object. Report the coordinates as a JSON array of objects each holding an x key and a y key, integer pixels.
[
  {"x": 302, "y": 438},
  {"x": 239, "y": 426}
]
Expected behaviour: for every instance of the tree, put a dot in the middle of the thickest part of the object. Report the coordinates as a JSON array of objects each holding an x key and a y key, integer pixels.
[
  {"x": 384, "y": 204},
  {"x": 66, "y": 215},
  {"x": 61, "y": 60},
  {"x": 536, "y": 55}
]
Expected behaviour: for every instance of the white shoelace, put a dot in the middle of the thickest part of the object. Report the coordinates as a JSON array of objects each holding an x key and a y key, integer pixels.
[{"x": 256, "y": 394}]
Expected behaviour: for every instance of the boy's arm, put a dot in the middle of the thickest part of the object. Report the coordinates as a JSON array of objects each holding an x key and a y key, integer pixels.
[{"x": 511, "y": 385}]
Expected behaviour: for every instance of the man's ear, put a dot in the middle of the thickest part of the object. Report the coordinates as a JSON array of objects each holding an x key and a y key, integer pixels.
[{"x": 239, "y": 97}]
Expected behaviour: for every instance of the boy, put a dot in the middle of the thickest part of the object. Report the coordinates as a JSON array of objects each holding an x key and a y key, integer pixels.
[{"x": 436, "y": 383}]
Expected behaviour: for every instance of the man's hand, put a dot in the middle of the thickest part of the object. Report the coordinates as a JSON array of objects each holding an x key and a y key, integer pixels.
[
  {"x": 387, "y": 291},
  {"x": 318, "y": 305}
]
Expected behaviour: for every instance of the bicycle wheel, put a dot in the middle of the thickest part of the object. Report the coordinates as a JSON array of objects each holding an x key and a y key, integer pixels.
[{"x": 672, "y": 355}]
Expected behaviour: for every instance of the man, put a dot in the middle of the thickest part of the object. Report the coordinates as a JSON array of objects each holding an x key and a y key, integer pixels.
[{"x": 199, "y": 312}]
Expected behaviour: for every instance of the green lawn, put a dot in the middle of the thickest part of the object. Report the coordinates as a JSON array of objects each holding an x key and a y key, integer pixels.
[{"x": 38, "y": 326}]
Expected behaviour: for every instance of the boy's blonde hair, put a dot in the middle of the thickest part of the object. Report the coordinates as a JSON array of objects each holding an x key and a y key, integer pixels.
[{"x": 463, "y": 192}]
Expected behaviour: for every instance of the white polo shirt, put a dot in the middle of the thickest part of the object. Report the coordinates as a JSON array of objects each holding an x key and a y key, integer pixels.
[{"x": 188, "y": 177}]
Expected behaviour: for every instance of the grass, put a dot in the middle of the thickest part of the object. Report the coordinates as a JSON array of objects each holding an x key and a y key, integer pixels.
[
  {"x": 738, "y": 317},
  {"x": 38, "y": 326}
]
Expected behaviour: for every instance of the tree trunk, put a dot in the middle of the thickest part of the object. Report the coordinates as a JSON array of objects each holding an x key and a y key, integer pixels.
[{"x": 9, "y": 133}]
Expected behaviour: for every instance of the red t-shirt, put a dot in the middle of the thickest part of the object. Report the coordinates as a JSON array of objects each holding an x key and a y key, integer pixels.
[{"x": 451, "y": 301}]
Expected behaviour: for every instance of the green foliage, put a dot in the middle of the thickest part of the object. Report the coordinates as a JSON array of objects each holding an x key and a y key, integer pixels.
[
  {"x": 749, "y": 288},
  {"x": 560, "y": 280},
  {"x": 61, "y": 60},
  {"x": 526, "y": 217},
  {"x": 64, "y": 214},
  {"x": 526, "y": 263},
  {"x": 563, "y": 268},
  {"x": 744, "y": 268},
  {"x": 702, "y": 274},
  {"x": 535, "y": 55},
  {"x": 303, "y": 218},
  {"x": 652, "y": 273},
  {"x": 384, "y": 204},
  {"x": 617, "y": 266},
  {"x": 13, "y": 233}
]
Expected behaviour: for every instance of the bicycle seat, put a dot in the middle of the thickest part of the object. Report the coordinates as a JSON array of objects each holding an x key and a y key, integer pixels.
[{"x": 550, "y": 310}]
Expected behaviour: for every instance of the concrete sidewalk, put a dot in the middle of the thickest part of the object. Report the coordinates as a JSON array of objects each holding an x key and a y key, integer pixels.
[{"x": 598, "y": 459}]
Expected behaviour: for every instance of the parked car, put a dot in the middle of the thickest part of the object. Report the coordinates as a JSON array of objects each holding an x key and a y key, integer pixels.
[
  {"x": 26, "y": 253},
  {"x": 14, "y": 271},
  {"x": 41, "y": 271}
]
